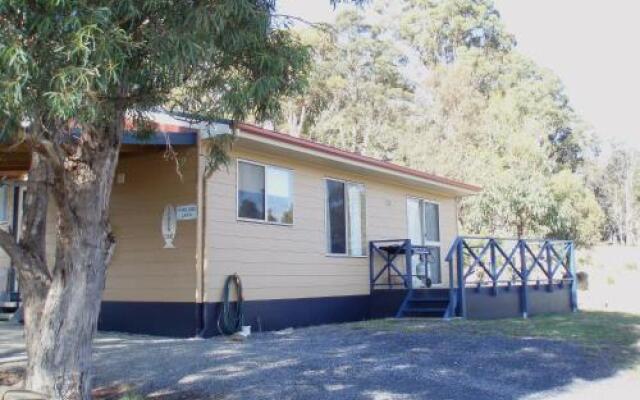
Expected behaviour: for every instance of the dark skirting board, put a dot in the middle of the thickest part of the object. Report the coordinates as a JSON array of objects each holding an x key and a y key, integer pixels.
[
  {"x": 191, "y": 319},
  {"x": 149, "y": 318}
]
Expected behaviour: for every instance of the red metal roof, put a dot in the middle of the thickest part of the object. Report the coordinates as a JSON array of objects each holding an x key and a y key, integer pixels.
[{"x": 323, "y": 148}]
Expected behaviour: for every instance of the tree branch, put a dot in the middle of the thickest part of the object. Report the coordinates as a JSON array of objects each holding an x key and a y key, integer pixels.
[
  {"x": 12, "y": 248},
  {"x": 21, "y": 258}
]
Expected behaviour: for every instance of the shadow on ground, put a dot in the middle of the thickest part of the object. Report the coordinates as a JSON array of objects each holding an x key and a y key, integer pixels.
[{"x": 388, "y": 359}]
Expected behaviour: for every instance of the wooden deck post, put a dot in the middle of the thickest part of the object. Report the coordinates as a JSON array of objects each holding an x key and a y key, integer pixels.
[
  {"x": 453, "y": 299},
  {"x": 574, "y": 278},
  {"x": 408, "y": 253},
  {"x": 461, "y": 280},
  {"x": 524, "y": 300},
  {"x": 494, "y": 269},
  {"x": 371, "y": 266},
  {"x": 547, "y": 248}
]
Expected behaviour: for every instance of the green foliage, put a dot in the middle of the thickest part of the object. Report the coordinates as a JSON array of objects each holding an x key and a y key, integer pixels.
[
  {"x": 84, "y": 60},
  {"x": 357, "y": 96},
  {"x": 575, "y": 212},
  {"x": 454, "y": 28},
  {"x": 440, "y": 86}
]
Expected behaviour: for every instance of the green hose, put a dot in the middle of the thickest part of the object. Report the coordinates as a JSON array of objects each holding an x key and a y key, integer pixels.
[{"x": 231, "y": 322}]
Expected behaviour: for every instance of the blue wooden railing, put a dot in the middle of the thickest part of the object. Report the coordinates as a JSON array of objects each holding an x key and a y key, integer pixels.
[
  {"x": 505, "y": 262},
  {"x": 393, "y": 274}
]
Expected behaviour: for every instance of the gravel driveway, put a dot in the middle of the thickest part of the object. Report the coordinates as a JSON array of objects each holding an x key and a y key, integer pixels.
[{"x": 348, "y": 361}]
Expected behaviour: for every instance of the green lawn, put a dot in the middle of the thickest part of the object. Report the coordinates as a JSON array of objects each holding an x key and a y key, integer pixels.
[{"x": 615, "y": 333}]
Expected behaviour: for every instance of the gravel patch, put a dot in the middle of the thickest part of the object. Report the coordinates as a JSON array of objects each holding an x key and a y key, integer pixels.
[{"x": 336, "y": 361}]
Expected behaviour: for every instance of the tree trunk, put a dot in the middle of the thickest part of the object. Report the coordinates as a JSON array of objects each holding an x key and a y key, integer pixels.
[
  {"x": 61, "y": 316},
  {"x": 628, "y": 202}
]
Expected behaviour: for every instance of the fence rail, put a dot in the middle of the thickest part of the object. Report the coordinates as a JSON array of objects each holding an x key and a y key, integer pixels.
[{"x": 494, "y": 262}]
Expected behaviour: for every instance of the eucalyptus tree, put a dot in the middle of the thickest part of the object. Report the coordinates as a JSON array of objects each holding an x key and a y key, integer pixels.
[
  {"x": 443, "y": 30},
  {"x": 357, "y": 97},
  {"x": 617, "y": 186},
  {"x": 439, "y": 85},
  {"x": 72, "y": 73}
]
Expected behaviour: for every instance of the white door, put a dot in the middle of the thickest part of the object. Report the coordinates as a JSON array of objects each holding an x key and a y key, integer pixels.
[{"x": 423, "y": 226}]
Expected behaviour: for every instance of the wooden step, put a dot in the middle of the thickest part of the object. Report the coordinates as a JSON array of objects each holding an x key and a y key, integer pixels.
[
  {"x": 429, "y": 301},
  {"x": 425, "y": 303},
  {"x": 427, "y": 310},
  {"x": 429, "y": 294},
  {"x": 422, "y": 314}
]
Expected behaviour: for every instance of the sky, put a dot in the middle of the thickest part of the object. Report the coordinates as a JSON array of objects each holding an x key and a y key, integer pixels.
[{"x": 593, "y": 45}]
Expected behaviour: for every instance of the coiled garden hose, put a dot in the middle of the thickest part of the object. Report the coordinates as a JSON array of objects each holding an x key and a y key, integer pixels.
[{"x": 231, "y": 322}]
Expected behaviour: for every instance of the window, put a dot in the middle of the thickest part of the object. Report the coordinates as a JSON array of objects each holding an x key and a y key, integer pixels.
[
  {"x": 4, "y": 203},
  {"x": 265, "y": 193},
  {"x": 345, "y": 218},
  {"x": 423, "y": 221}
]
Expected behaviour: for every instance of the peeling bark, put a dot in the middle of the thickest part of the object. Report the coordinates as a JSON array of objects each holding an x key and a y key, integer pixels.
[{"x": 62, "y": 301}]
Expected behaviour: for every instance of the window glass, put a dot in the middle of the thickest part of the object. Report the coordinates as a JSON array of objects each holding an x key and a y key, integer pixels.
[
  {"x": 356, "y": 209},
  {"x": 265, "y": 193},
  {"x": 251, "y": 191},
  {"x": 414, "y": 220},
  {"x": 279, "y": 196},
  {"x": 4, "y": 191},
  {"x": 346, "y": 218},
  {"x": 336, "y": 217},
  {"x": 431, "y": 222}
]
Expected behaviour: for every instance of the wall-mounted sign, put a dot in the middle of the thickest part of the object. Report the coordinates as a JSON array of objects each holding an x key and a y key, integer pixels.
[
  {"x": 187, "y": 212},
  {"x": 169, "y": 226}
]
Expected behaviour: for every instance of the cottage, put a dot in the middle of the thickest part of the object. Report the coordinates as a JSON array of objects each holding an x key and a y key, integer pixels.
[{"x": 316, "y": 235}]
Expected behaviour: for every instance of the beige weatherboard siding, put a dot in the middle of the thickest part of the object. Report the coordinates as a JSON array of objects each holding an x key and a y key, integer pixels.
[
  {"x": 142, "y": 270},
  {"x": 279, "y": 261}
]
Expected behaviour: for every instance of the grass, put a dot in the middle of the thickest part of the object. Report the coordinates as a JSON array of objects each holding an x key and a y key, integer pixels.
[
  {"x": 597, "y": 330},
  {"x": 593, "y": 329},
  {"x": 615, "y": 335}
]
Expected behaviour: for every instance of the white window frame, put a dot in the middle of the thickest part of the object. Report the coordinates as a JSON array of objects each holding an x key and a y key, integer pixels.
[
  {"x": 346, "y": 225},
  {"x": 439, "y": 204},
  {"x": 266, "y": 190}
]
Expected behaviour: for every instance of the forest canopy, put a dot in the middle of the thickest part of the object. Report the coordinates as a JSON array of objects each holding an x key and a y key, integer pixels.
[{"x": 441, "y": 86}]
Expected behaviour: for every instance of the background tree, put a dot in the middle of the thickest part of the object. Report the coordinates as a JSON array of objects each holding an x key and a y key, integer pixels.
[
  {"x": 446, "y": 91},
  {"x": 71, "y": 74},
  {"x": 574, "y": 212},
  {"x": 356, "y": 95},
  {"x": 617, "y": 187}
]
